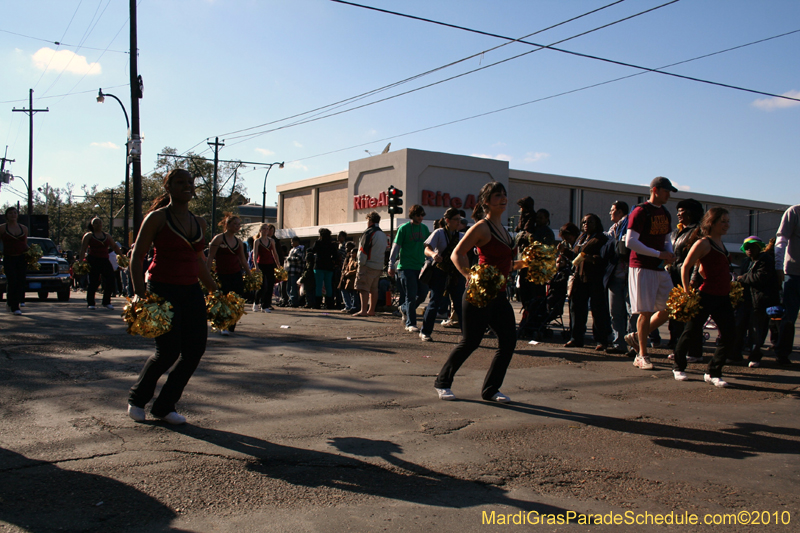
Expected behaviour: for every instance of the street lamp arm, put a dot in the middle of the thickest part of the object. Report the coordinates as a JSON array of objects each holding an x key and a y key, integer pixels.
[
  {"x": 264, "y": 194},
  {"x": 100, "y": 97}
]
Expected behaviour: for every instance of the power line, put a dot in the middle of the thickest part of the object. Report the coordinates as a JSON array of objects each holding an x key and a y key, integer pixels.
[
  {"x": 252, "y": 135},
  {"x": 65, "y": 94},
  {"x": 588, "y": 56},
  {"x": 586, "y": 87},
  {"x": 420, "y": 75},
  {"x": 59, "y": 43}
]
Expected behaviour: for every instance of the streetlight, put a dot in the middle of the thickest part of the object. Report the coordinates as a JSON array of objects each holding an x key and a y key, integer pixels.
[
  {"x": 125, "y": 225},
  {"x": 264, "y": 195}
]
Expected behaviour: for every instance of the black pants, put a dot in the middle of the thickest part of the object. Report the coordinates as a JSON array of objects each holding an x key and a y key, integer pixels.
[
  {"x": 100, "y": 269},
  {"x": 15, "y": 268},
  {"x": 232, "y": 283},
  {"x": 500, "y": 317},
  {"x": 582, "y": 294},
  {"x": 759, "y": 327},
  {"x": 721, "y": 310},
  {"x": 264, "y": 296},
  {"x": 182, "y": 346}
]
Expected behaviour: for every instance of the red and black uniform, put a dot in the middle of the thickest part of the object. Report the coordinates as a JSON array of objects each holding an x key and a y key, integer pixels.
[
  {"x": 229, "y": 269},
  {"x": 174, "y": 276},
  {"x": 498, "y": 315},
  {"x": 715, "y": 301},
  {"x": 99, "y": 268},
  {"x": 266, "y": 264},
  {"x": 15, "y": 266}
]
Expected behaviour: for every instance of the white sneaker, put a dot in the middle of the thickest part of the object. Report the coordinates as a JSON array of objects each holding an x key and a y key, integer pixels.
[
  {"x": 256, "y": 308},
  {"x": 680, "y": 376},
  {"x": 499, "y": 397},
  {"x": 92, "y": 307},
  {"x": 109, "y": 306},
  {"x": 446, "y": 394},
  {"x": 717, "y": 382},
  {"x": 643, "y": 362},
  {"x": 690, "y": 359},
  {"x": 425, "y": 338},
  {"x": 266, "y": 310},
  {"x": 671, "y": 357},
  {"x": 412, "y": 329},
  {"x": 224, "y": 332},
  {"x": 136, "y": 413},
  {"x": 22, "y": 304},
  {"x": 173, "y": 418},
  {"x": 17, "y": 312},
  {"x": 754, "y": 364}
]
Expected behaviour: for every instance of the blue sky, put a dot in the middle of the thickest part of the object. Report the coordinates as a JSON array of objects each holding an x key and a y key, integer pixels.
[{"x": 213, "y": 67}]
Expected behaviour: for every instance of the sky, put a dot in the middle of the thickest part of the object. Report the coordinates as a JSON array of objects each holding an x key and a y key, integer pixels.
[{"x": 214, "y": 67}]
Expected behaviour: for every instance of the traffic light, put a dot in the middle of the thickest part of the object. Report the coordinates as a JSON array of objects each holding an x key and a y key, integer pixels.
[{"x": 395, "y": 200}]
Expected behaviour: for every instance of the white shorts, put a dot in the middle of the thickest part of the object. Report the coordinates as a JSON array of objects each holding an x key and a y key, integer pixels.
[{"x": 648, "y": 289}]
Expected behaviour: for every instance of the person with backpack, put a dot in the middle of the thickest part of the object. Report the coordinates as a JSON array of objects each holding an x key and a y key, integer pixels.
[
  {"x": 371, "y": 256},
  {"x": 649, "y": 227}
]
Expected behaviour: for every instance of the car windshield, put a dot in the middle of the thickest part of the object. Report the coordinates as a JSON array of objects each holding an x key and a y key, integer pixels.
[{"x": 48, "y": 248}]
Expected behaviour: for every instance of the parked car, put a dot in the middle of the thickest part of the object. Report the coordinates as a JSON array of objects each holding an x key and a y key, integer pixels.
[{"x": 52, "y": 276}]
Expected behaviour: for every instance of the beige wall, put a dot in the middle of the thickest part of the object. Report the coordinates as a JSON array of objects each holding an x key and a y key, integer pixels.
[
  {"x": 298, "y": 209},
  {"x": 332, "y": 204}
]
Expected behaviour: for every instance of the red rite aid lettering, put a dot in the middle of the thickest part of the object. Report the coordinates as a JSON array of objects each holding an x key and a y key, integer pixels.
[
  {"x": 439, "y": 199},
  {"x": 365, "y": 201}
]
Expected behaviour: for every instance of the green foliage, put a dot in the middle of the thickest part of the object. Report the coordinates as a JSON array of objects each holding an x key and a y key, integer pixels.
[{"x": 70, "y": 211}]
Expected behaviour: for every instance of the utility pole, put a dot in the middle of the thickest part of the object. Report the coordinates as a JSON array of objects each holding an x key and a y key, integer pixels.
[
  {"x": 217, "y": 145},
  {"x": 136, "y": 141},
  {"x": 30, "y": 111}
]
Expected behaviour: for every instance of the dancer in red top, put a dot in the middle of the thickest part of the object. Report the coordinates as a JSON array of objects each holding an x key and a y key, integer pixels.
[
  {"x": 266, "y": 259},
  {"x": 228, "y": 251},
  {"x": 178, "y": 264},
  {"x": 97, "y": 242},
  {"x": 495, "y": 247},
  {"x": 715, "y": 299},
  {"x": 15, "y": 244}
]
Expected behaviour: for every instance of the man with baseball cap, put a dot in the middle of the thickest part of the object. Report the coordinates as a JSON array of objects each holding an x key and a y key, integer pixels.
[{"x": 649, "y": 227}]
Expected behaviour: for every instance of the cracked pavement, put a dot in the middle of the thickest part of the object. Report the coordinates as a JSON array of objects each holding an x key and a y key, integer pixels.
[{"x": 332, "y": 424}]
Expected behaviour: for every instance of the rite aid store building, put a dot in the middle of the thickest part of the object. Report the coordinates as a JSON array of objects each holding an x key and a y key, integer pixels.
[{"x": 437, "y": 181}]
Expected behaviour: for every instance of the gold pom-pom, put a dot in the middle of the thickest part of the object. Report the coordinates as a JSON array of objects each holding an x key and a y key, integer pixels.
[
  {"x": 683, "y": 306},
  {"x": 32, "y": 256},
  {"x": 224, "y": 310},
  {"x": 123, "y": 261},
  {"x": 79, "y": 268},
  {"x": 281, "y": 275},
  {"x": 540, "y": 260},
  {"x": 484, "y": 284},
  {"x": 253, "y": 280},
  {"x": 149, "y": 317},
  {"x": 737, "y": 293}
]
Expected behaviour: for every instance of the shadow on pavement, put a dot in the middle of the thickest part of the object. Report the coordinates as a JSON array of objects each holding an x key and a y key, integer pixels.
[
  {"x": 399, "y": 480},
  {"x": 38, "y": 496}
]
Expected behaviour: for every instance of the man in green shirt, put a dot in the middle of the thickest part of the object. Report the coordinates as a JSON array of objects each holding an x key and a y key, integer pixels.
[{"x": 409, "y": 248}]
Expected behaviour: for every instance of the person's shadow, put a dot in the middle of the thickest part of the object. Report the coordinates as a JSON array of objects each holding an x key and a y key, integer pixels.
[
  {"x": 38, "y": 496},
  {"x": 398, "y": 480}
]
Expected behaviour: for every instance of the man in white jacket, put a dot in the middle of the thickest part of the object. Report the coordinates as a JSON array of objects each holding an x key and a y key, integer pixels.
[{"x": 787, "y": 265}]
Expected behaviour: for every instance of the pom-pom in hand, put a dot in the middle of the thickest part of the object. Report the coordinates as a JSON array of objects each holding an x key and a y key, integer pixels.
[
  {"x": 484, "y": 284},
  {"x": 123, "y": 261},
  {"x": 683, "y": 306},
  {"x": 149, "y": 316},
  {"x": 32, "y": 256},
  {"x": 253, "y": 280},
  {"x": 280, "y": 275},
  {"x": 540, "y": 260},
  {"x": 224, "y": 310},
  {"x": 737, "y": 293},
  {"x": 79, "y": 268}
]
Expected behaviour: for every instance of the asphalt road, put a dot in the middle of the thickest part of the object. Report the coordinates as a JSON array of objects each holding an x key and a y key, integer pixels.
[{"x": 332, "y": 424}]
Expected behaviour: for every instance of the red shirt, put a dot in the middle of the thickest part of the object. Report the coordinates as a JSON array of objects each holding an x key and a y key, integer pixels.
[
  {"x": 655, "y": 238},
  {"x": 227, "y": 258},
  {"x": 264, "y": 254},
  {"x": 175, "y": 258},
  {"x": 99, "y": 248},
  {"x": 717, "y": 268},
  {"x": 14, "y": 245},
  {"x": 497, "y": 254}
]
